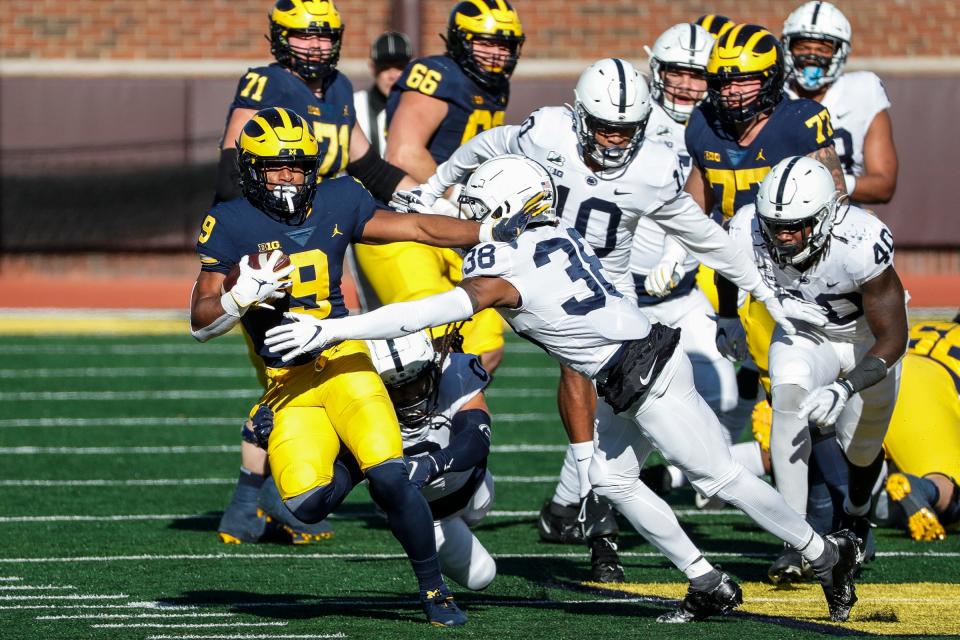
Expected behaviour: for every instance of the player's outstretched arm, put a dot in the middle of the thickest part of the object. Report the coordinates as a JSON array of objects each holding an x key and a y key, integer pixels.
[
  {"x": 482, "y": 147},
  {"x": 303, "y": 334},
  {"x": 438, "y": 231}
]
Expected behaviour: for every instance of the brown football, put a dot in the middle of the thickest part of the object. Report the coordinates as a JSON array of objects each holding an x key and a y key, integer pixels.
[{"x": 257, "y": 260}]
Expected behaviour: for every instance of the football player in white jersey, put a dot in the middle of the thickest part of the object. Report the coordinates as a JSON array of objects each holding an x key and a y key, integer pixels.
[
  {"x": 550, "y": 287},
  {"x": 664, "y": 275},
  {"x": 607, "y": 175},
  {"x": 816, "y": 43},
  {"x": 844, "y": 375},
  {"x": 445, "y": 425}
]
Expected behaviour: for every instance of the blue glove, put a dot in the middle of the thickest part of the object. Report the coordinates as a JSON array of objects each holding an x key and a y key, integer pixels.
[
  {"x": 262, "y": 426},
  {"x": 421, "y": 469}
]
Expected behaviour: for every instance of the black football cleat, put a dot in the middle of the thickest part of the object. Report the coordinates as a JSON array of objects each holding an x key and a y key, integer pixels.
[
  {"x": 860, "y": 527},
  {"x": 558, "y": 523},
  {"x": 440, "y": 608},
  {"x": 789, "y": 568},
  {"x": 838, "y": 581},
  {"x": 604, "y": 560},
  {"x": 699, "y": 605}
]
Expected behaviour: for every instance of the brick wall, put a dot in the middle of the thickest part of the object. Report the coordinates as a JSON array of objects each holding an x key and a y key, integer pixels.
[{"x": 177, "y": 29}]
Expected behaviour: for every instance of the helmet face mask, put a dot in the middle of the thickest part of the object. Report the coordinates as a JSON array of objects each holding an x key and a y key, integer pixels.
[
  {"x": 308, "y": 20},
  {"x": 272, "y": 141},
  {"x": 678, "y": 68},
  {"x": 500, "y": 35},
  {"x": 410, "y": 369},
  {"x": 510, "y": 186},
  {"x": 745, "y": 53},
  {"x": 816, "y": 23},
  {"x": 611, "y": 108},
  {"x": 798, "y": 196}
]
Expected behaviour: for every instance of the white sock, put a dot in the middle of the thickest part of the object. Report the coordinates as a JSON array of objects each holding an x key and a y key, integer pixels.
[
  {"x": 583, "y": 454},
  {"x": 748, "y": 454},
  {"x": 568, "y": 489},
  {"x": 677, "y": 479},
  {"x": 700, "y": 567}
]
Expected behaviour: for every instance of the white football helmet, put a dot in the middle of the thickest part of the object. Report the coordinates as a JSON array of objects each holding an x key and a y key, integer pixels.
[
  {"x": 410, "y": 369},
  {"x": 798, "y": 194},
  {"x": 611, "y": 95},
  {"x": 682, "y": 47},
  {"x": 817, "y": 21},
  {"x": 510, "y": 186}
]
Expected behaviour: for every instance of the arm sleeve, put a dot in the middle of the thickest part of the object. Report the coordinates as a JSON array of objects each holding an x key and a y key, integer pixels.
[
  {"x": 469, "y": 442},
  {"x": 706, "y": 240},
  {"x": 404, "y": 318},
  {"x": 483, "y": 146}
]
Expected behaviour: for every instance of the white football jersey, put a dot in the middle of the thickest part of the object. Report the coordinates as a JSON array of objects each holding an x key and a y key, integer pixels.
[
  {"x": 860, "y": 248},
  {"x": 461, "y": 380},
  {"x": 649, "y": 238},
  {"x": 853, "y": 101},
  {"x": 568, "y": 305},
  {"x": 604, "y": 207}
]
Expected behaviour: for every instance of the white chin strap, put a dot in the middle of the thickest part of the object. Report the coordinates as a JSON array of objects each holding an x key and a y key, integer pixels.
[{"x": 286, "y": 192}]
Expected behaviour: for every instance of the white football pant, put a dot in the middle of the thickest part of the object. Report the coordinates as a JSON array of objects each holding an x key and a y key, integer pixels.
[{"x": 462, "y": 557}]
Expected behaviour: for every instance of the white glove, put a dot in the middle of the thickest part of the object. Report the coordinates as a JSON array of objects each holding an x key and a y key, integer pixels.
[
  {"x": 663, "y": 278},
  {"x": 824, "y": 405},
  {"x": 799, "y": 309},
  {"x": 302, "y": 334},
  {"x": 255, "y": 287},
  {"x": 443, "y": 207},
  {"x": 731, "y": 339},
  {"x": 413, "y": 201}
]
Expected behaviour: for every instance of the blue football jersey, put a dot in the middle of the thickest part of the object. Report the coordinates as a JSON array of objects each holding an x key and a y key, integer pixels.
[
  {"x": 795, "y": 128},
  {"x": 341, "y": 209},
  {"x": 331, "y": 116},
  {"x": 471, "y": 108}
]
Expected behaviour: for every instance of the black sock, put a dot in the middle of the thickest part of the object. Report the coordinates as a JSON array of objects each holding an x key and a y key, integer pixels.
[
  {"x": 410, "y": 519},
  {"x": 828, "y": 483},
  {"x": 248, "y": 486},
  {"x": 862, "y": 480},
  {"x": 707, "y": 582}
]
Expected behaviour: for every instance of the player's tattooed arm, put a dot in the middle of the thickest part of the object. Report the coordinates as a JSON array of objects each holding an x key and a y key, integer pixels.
[
  {"x": 828, "y": 156},
  {"x": 486, "y": 292},
  {"x": 883, "y": 304}
]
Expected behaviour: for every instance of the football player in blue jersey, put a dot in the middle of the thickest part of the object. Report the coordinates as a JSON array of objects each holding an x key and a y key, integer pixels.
[
  {"x": 333, "y": 396},
  {"x": 305, "y": 38},
  {"x": 438, "y": 104}
]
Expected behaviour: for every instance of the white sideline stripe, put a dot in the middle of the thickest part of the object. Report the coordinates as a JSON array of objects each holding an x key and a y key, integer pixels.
[
  {"x": 253, "y": 637},
  {"x": 132, "y": 616},
  {"x": 383, "y": 556},
  {"x": 131, "y": 372},
  {"x": 223, "y": 448},
  {"x": 140, "y": 517},
  {"x": 174, "y": 482},
  {"x": 102, "y": 605},
  {"x": 185, "y": 625},
  {"x": 71, "y": 596},
  {"x": 205, "y": 350},
  {"x": 203, "y": 394},
  {"x": 213, "y": 421},
  {"x": 39, "y": 587},
  {"x": 205, "y": 372}
]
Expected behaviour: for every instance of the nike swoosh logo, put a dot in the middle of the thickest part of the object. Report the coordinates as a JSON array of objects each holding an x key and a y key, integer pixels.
[
  {"x": 617, "y": 192},
  {"x": 831, "y": 285},
  {"x": 645, "y": 381}
]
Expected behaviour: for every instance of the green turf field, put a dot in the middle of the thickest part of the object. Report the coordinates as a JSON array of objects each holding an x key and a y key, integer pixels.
[{"x": 118, "y": 454}]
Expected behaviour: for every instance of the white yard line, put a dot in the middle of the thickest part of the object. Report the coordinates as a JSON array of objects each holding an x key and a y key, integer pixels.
[
  {"x": 202, "y": 394},
  {"x": 212, "y": 421},
  {"x": 203, "y": 372},
  {"x": 10, "y": 579},
  {"x": 298, "y": 636},
  {"x": 380, "y": 556},
  {"x": 134, "y": 616},
  {"x": 185, "y": 625},
  {"x": 71, "y": 596},
  {"x": 231, "y": 448},
  {"x": 176, "y": 482},
  {"x": 98, "y": 606},
  {"x": 39, "y": 587}
]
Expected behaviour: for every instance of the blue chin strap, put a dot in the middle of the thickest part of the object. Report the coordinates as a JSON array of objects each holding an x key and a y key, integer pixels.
[{"x": 811, "y": 77}]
